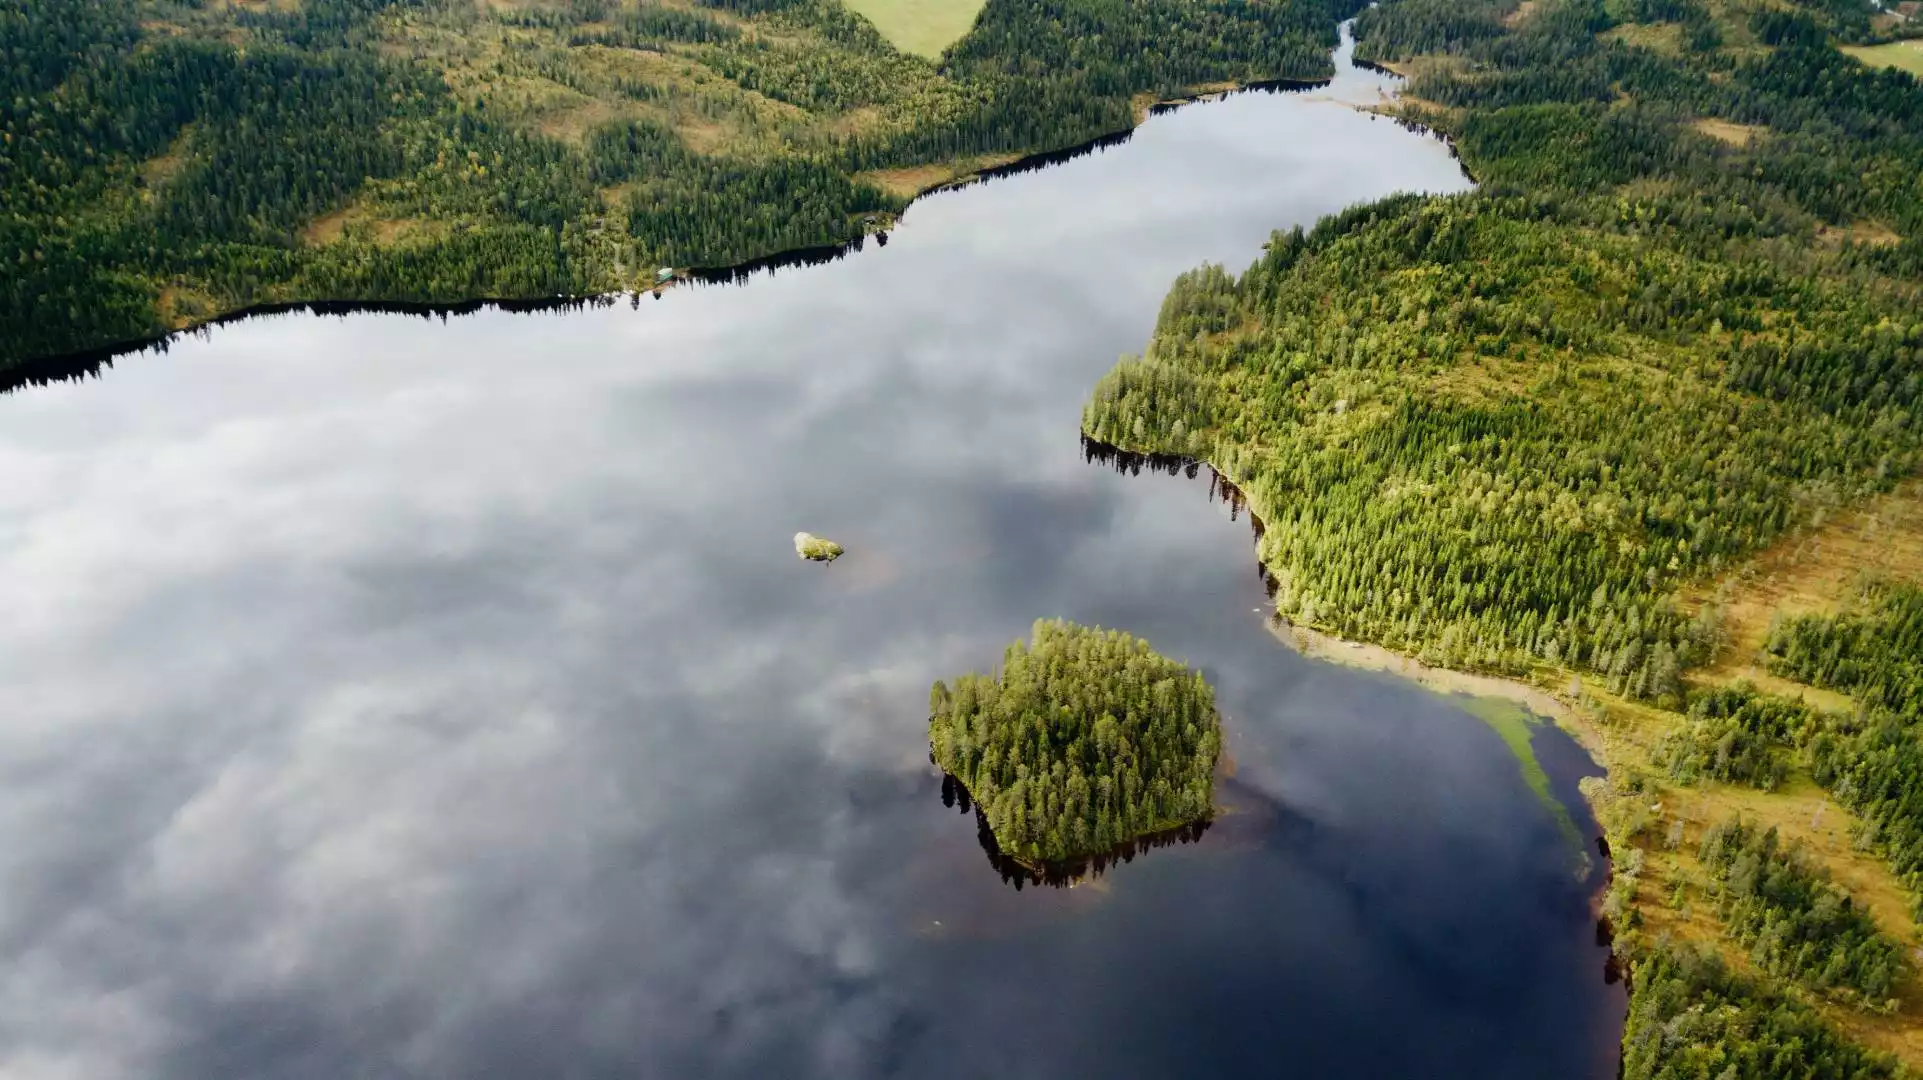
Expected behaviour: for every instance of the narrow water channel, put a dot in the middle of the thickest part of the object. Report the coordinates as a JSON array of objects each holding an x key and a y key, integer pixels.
[{"x": 402, "y": 697}]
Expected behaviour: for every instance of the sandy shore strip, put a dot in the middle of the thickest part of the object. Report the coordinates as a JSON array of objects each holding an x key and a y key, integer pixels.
[{"x": 1317, "y": 645}]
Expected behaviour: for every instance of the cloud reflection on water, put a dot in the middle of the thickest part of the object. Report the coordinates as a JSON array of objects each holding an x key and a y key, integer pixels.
[{"x": 398, "y": 698}]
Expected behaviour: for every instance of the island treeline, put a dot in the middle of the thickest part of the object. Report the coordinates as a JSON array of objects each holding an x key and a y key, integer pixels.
[
  {"x": 167, "y": 160},
  {"x": 1085, "y": 741}
]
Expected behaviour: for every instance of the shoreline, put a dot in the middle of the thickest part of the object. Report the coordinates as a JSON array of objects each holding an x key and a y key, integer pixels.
[
  {"x": 1562, "y": 708},
  {"x": 81, "y": 364},
  {"x": 1616, "y": 735},
  {"x": 1365, "y": 656}
]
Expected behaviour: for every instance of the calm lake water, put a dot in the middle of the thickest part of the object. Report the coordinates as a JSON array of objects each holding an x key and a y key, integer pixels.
[{"x": 391, "y": 697}]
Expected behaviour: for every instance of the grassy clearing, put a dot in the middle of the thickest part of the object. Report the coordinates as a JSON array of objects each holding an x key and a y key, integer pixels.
[
  {"x": 1813, "y": 571},
  {"x": 1816, "y": 570},
  {"x": 360, "y": 222},
  {"x": 923, "y": 27},
  {"x": 1864, "y": 233},
  {"x": 1904, "y": 55},
  {"x": 157, "y": 171},
  {"x": 910, "y": 182},
  {"x": 1664, "y": 39},
  {"x": 1671, "y": 896},
  {"x": 1729, "y": 132}
]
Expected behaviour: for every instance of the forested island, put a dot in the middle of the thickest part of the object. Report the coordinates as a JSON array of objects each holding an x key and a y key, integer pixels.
[
  {"x": 1622, "y": 424},
  {"x": 1084, "y": 742},
  {"x": 167, "y": 161}
]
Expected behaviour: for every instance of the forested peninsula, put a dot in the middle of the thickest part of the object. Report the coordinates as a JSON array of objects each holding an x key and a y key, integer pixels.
[
  {"x": 1625, "y": 424},
  {"x": 167, "y": 161},
  {"x": 1085, "y": 741}
]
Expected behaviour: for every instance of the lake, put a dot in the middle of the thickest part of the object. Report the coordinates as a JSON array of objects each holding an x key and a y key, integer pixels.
[{"x": 403, "y": 697}]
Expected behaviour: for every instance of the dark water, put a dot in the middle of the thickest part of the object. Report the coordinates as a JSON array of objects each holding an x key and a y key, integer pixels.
[{"x": 398, "y": 698}]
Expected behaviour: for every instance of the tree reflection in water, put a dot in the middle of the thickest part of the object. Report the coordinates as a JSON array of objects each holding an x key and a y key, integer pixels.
[{"x": 1065, "y": 874}]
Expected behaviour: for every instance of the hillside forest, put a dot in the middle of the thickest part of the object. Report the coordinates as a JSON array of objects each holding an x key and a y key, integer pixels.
[{"x": 166, "y": 161}]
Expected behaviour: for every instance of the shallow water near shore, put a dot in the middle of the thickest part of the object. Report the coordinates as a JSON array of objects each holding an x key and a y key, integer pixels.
[{"x": 404, "y": 697}]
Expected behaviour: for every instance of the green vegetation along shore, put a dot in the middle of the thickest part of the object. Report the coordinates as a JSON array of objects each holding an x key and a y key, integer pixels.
[
  {"x": 1594, "y": 428},
  {"x": 167, "y": 161},
  {"x": 1085, "y": 741}
]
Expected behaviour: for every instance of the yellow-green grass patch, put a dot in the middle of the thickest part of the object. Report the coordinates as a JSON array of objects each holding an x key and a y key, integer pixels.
[
  {"x": 909, "y": 182},
  {"x": 1664, "y": 39},
  {"x": 363, "y": 221},
  {"x": 1904, "y": 55},
  {"x": 1726, "y": 131},
  {"x": 924, "y": 27},
  {"x": 1675, "y": 900},
  {"x": 1865, "y": 233},
  {"x": 155, "y": 172}
]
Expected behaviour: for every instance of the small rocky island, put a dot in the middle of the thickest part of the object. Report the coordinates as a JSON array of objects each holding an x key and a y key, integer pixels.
[
  {"x": 1087, "y": 743},
  {"x": 816, "y": 548}
]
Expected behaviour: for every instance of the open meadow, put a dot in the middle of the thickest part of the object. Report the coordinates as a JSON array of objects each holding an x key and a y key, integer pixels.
[
  {"x": 923, "y": 27},
  {"x": 1902, "y": 55}
]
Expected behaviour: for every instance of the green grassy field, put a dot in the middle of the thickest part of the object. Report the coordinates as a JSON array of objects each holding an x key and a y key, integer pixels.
[
  {"x": 1905, "y": 55},
  {"x": 924, "y": 27}
]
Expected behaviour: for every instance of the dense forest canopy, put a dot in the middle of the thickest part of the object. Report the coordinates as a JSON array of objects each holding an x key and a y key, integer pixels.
[
  {"x": 1502, "y": 429},
  {"x": 168, "y": 160},
  {"x": 1084, "y": 741}
]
